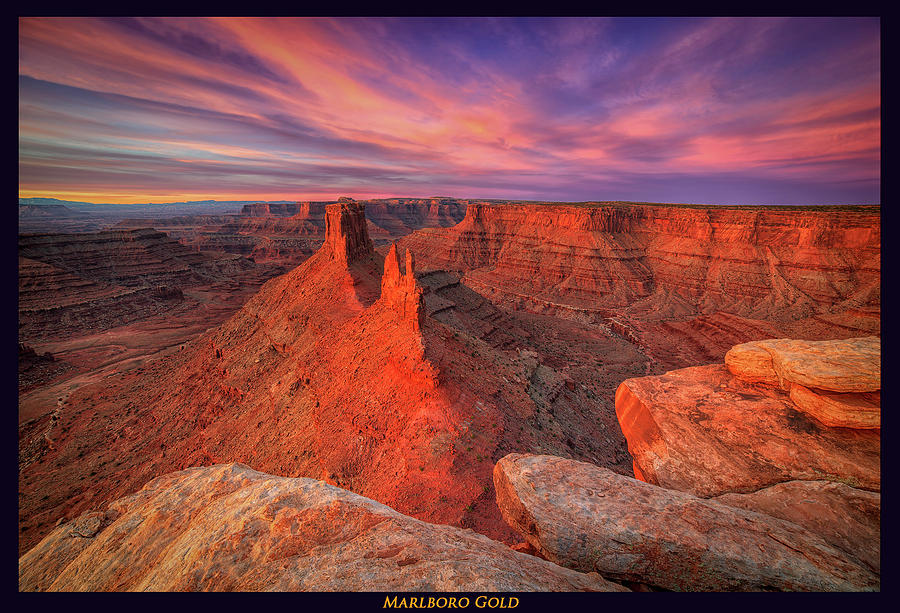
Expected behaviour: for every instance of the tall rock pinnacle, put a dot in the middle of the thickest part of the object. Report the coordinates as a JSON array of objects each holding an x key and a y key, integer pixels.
[
  {"x": 346, "y": 236},
  {"x": 400, "y": 291}
]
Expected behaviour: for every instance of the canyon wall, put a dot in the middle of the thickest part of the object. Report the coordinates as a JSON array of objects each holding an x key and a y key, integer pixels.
[
  {"x": 70, "y": 284},
  {"x": 696, "y": 273}
]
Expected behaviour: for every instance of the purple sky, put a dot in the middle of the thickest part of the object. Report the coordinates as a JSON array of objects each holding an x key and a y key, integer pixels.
[{"x": 723, "y": 110}]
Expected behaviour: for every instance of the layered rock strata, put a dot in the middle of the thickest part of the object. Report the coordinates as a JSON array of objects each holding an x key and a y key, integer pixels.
[
  {"x": 72, "y": 284},
  {"x": 591, "y": 519},
  {"x": 837, "y": 382},
  {"x": 230, "y": 528},
  {"x": 644, "y": 268}
]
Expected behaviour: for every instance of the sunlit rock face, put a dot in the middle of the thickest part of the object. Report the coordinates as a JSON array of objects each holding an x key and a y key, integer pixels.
[
  {"x": 346, "y": 236},
  {"x": 230, "y": 528}
]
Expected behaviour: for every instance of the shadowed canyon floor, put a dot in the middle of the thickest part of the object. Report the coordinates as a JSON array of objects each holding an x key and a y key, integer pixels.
[{"x": 405, "y": 374}]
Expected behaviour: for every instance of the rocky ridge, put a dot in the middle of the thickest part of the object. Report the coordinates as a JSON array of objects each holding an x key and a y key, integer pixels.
[{"x": 346, "y": 371}]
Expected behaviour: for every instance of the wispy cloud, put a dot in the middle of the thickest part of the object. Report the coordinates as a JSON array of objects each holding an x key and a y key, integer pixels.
[{"x": 699, "y": 110}]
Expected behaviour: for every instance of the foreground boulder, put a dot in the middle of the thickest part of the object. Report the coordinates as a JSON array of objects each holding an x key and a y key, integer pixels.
[
  {"x": 230, "y": 528},
  {"x": 845, "y": 517},
  {"x": 704, "y": 431},
  {"x": 592, "y": 519}
]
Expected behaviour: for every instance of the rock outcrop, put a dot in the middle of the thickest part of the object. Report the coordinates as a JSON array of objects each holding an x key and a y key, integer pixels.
[
  {"x": 837, "y": 382},
  {"x": 704, "y": 431},
  {"x": 346, "y": 236},
  {"x": 592, "y": 519},
  {"x": 735, "y": 433},
  {"x": 230, "y": 528},
  {"x": 401, "y": 291},
  {"x": 848, "y": 365}
]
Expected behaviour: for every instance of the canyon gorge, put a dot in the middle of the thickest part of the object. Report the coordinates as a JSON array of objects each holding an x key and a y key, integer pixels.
[{"x": 443, "y": 394}]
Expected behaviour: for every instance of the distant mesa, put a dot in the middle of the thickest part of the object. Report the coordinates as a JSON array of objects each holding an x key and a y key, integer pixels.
[{"x": 30, "y": 211}]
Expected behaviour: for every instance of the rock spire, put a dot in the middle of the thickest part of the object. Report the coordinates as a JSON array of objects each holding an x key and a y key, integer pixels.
[
  {"x": 346, "y": 236},
  {"x": 400, "y": 291}
]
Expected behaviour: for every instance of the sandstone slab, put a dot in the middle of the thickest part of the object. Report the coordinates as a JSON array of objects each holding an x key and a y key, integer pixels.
[
  {"x": 845, "y": 517},
  {"x": 751, "y": 362},
  {"x": 592, "y": 519},
  {"x": 849, "y": 365},
  {"x": 702, "y": 430},
  {"x": 847, "y": 410},
  {"x": 230, "y": 528}
]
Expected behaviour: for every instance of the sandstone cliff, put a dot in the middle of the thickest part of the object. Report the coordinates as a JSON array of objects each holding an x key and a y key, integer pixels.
[{"x": 706, "y": 277}]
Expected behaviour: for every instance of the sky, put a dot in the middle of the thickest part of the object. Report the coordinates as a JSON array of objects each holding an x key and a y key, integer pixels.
[{"x": 697, "y": 110}]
